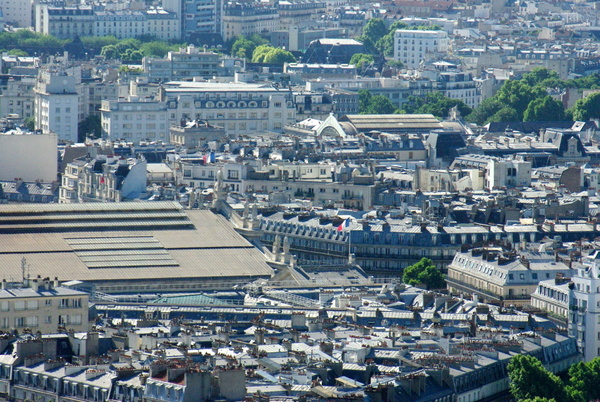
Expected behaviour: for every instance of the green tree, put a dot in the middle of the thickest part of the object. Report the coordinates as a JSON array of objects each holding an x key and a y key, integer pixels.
[
  {"x": 435, "y": 103},
  {"x": 381, "y": 104},
  {"x": 29, "y": 123},
  {"x": 364, "y": 100},
  {"x": 132, "y": 55},
  {"x": 270, "y": 54},
  {"x": 243, "y": 47},
  {"x": 530, "y": 379},
  {"x": 110, "y": 52},
  {"x": 89, "y": 127},
  {"x": 544, "y": 109},
  {"x": 424, "y": 272},
  {"x": 361, "y": 60},
  {"x": 17, "y": 52},
  {"x": 584, "y": 379},
  {"x": 587, "y": 108},
  {"x": 374, "y": 104},
  {"x": 539, "y": 75},
  {"x": 507, "y": 113},
  {"x": 260, "y": 52},
  {"x": 157, "y": 48},
  {"x": 374, "y": 29},
  {"x": 517, "y": 94},
  {"x": 385, "y": 45},
  {"x": 482, "y": 114},
  {"x": 95, "y": 43}
]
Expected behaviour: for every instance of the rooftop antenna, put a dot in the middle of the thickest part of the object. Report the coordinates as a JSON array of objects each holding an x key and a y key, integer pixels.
[{"x": 23, "y": 268}]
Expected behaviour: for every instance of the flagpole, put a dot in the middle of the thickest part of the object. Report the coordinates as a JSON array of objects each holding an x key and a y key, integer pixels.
[{"x": 349, "y": 243}]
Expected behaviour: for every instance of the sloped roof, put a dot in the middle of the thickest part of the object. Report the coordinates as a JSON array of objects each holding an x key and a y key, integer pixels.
[{"x": 123, "y": 241}]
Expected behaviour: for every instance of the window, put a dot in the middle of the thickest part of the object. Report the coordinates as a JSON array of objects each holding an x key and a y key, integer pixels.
[
  {"x": 19, "y": 321},
  {"x": 19, "y": 305},
  {"x": 4, "y": 306},
  {"x": 64, "y": 303}
]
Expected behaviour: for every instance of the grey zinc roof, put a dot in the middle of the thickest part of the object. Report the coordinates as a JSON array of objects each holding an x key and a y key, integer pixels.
[{"x": 205, "y": 245}]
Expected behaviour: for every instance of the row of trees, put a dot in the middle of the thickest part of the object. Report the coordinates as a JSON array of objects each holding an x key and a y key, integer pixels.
[
  {"x": 130, "y": 49},
  {"x": 530, "y": 381},
  {"x": 24, "y": 42},
  {"x": 256, "y": 49},
  {"x": 527, "y": 99},
  {"x": 435, "y": 103}
]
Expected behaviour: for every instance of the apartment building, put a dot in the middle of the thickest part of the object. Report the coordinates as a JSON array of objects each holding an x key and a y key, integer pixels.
[
  {"x": 240, "y": 108},
  {"x": 42, "y": 305},
  {"x": 65, "y": 22},
  {"x": 17, "y": 97},
  {"x": 502, "y": 277},
  {"x": 411, "y": 47},
  {"x": 247, "y": 19},
  {"x": 498, "y": 172},
  {"x": 56, "y": 103},
  {"x": 584, "y": 307},
  {"x": 186, "y": 64},
  {"x": 18, "y": 13},
  {"x": 134, "y": 119},
  {"x": 68, "y": 22}
]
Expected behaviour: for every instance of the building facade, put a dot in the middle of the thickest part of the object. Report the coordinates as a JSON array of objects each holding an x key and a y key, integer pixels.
[
  {"x": 411, "y": 47},
  {"x": 41, "y": 305},
  {"x": 134, "y": 120},
  {"x": 502, "y": 277},
  {"x": 56, "y": 103},
  {"x": 241, "y": 109}
]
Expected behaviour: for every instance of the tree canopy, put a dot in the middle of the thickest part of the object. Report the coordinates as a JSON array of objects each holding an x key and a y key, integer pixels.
[
  {"x": 361, "y": 60},
  {"x": 89, "y": 127},
  {"x": 528, "y": 99},
  {"x": 435, "y": 103},
  {"x": 244, "y": 46},
  {"x": 530, "y": 379},
  {"x": 587, "y": 108},
  {"x": 544, "y": 109},
  {"x": 270, "y": 54},
  {"x": 374, "y": 104},
  {"x": 424, "y": 272}
]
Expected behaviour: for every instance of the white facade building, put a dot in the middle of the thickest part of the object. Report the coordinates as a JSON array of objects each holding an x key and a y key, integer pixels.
[
  {"x": 57, "y": 104},
  {"x": 584, "y": 314},
  {"x": 67, "y": 22},
  {"x": 64, "y": 22},
  {"x": 17, "y": 12},
  {"x": 134, "y": 119},
  {"x": 121, "y": 24},
  {"x": 28, "y": 156},
  {"x": 239, "y": 108},
  {"x": 17, "y": 97},
  {"x": 411, "y": 46}
]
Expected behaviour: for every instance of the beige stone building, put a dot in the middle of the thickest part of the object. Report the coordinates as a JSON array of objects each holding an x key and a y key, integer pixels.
[{"x": 40, "y": 305}]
